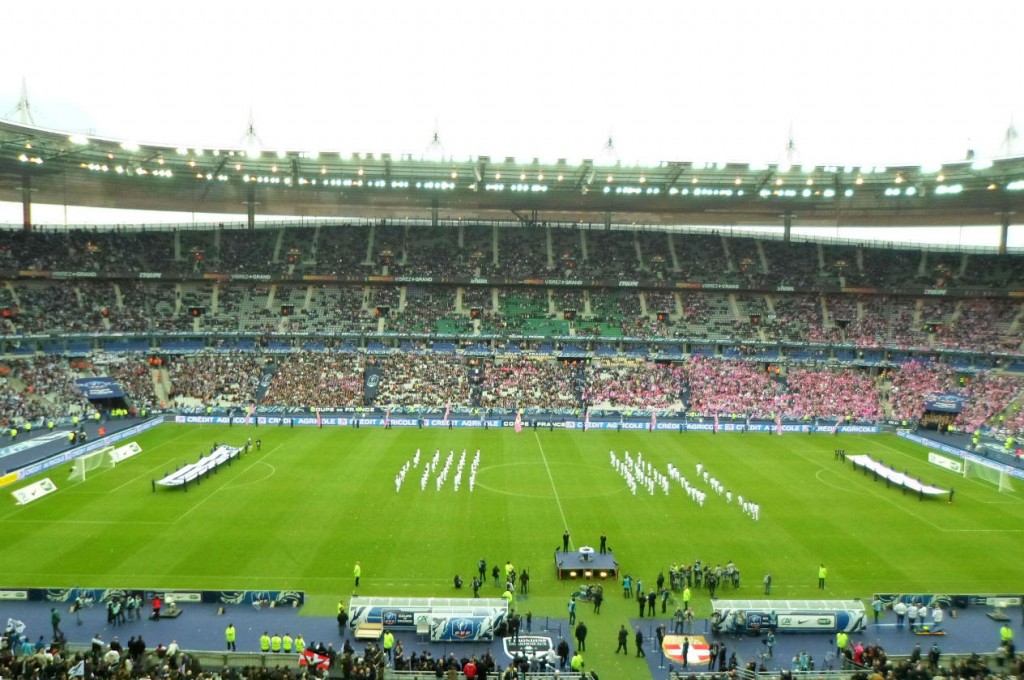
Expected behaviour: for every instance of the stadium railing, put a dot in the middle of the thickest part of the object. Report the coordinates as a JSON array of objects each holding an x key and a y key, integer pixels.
[{"x": 211, "y": 659}]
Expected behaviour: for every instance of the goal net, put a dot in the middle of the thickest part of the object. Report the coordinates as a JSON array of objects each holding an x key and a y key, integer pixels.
[
  {"x": 91, "y": 461},
  {"x": 988, "y": 473}
]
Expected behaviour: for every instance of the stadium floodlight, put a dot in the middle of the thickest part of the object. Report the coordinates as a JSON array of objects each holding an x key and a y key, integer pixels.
[
  {"x": 931, "y": 168},
  {"x": 784, "y": 167},
  {"x": 81, "y": 140},
  {"x": 130, "y": 146},
  {"x": 282, "y": 154},
  {"x": 252, "y": 153},
  {"x": 981, "y": 164},
  {"x": 807, "y": 168},
  {"x": 758, "y": 167}
]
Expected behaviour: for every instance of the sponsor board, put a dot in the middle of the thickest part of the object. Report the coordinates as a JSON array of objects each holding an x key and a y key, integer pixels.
[
  {"x": 392, "y": 618},
  {"x": 812, "y": 621},
  {"x": 125, "y": 452},
  {"x": 180, "y": 596},
  {"x": 458, "y": 629},
  {"x": 698, "y": 651},
  {"x": 528, "y": 645},
  {"x": 948, "y": 463},
  {"x": 17, "y": 595},
  {"x": 34, "y": 491},
  {"x": 1003, "y": 601}
]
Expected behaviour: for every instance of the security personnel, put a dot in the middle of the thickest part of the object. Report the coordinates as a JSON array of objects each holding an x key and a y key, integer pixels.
[
  {"x": 28, "y": 428},
  {"x": 264, "y": 642},
  {"x": 300, "y": 644},
  {"x": 14, "y": 433},
  {"x": 229, "y": 637},
  {"x": 389, "y": 643},
  {"x": 275, "y": 643},
  {"x": 50, "y": 424},
  {"x": 577, "y": 662},
  {"x": 286, "y": 643}
]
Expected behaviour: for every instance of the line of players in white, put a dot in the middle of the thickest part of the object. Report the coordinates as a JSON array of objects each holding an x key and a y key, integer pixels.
[
  {"x": 431, "y": 466},
  {"x": 640, "y": 474}
]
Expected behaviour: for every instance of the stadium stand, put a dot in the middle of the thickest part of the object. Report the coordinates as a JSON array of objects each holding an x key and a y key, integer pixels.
[{"x": 722, "y": 310}]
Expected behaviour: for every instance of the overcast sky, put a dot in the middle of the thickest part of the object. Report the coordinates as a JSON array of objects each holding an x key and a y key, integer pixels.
[{"x": 866, "y": 82}]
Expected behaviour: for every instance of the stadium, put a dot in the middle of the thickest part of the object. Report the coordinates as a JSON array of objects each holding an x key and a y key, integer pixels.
[{"x": 458, "y": 398}]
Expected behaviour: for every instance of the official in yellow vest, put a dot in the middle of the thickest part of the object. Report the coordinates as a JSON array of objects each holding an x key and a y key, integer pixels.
[
  {"x": 264, "y": 642},
  {"x": 229, "y": 637},
  {"x": 275, "y": 643}
]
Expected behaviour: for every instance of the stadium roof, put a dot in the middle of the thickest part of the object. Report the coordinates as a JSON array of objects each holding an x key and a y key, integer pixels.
[{"x": 57, "y": 168}]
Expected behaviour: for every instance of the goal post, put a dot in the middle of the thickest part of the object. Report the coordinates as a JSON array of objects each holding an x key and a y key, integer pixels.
[
  {"x": 91, "y": 461},
  {"x": 976, "y": 469}
]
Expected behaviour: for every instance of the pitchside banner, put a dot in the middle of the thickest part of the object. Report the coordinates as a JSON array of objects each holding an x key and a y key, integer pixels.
[
  {"x": 960, "y": 453},
  {"x": 948, "y": 463},
  {"x": 545, "y": 423},
  {"x": 99, "y": 388},
  {"x": 71, "y": 454},
  {"x": 268, "y": 598}
]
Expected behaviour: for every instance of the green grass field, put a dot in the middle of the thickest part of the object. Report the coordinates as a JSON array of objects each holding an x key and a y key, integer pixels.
[{"x": 300, "y": 512}]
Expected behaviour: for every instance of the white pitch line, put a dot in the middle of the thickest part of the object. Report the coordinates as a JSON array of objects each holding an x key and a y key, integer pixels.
[{"x": 552, "y": 478}]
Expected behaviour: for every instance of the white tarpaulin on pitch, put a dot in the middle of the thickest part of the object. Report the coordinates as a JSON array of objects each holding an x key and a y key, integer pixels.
[{"x": 897, "y": 478}]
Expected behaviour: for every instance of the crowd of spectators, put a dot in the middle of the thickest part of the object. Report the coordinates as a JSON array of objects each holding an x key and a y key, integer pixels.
[
  {"x": 413, "y": 380},
  {"x": 316, "y": 380},
  {"x": 228, "y": 379},
  {"x": 523, "y": 252},
  {"x": 526, "y": 382},
  {"x": 913, "y": 384},
  {"x": 719, "y": 388},
  {"x": 833, "y": 395},
  {"x": 38, "y": 388},
  {"x": 634, "y": 384},
  {"x": 867, "y": 321}
]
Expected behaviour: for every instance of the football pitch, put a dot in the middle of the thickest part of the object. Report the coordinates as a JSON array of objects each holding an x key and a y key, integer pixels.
[{"x": 298, "y": 513}]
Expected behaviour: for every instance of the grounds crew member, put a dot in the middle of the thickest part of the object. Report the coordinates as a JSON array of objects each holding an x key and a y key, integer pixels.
[
  {"x": 229, "y": 637},
  {"x": 264, "y": 642}
]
